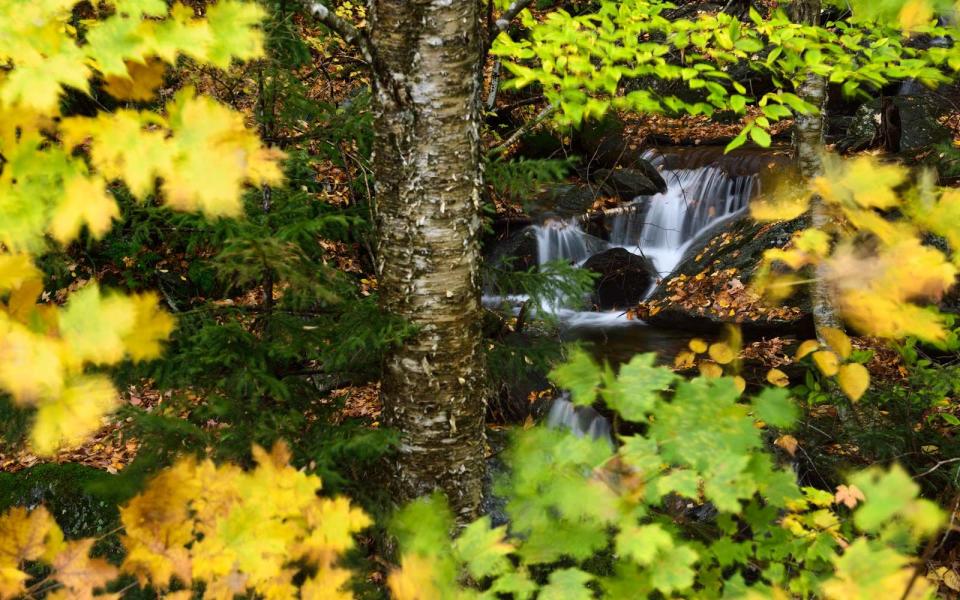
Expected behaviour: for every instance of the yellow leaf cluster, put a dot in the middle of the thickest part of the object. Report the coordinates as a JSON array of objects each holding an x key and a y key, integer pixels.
[
  {"x": 199, "y": 151},
  {"x": 879, "y": 271},
  {"x": 30, "y": 536},
  {"x": 45, "y": 350},
  {"x": 240, "y": 531}
]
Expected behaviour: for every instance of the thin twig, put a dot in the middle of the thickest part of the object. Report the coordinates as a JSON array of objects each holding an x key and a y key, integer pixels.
[
  {"x": 546, "y": 112},
  {"x": 937, "y": 466}
]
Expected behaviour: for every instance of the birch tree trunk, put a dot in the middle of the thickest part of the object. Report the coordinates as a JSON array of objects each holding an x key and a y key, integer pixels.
[
  {"x": 427, "y": 174},
  {"x": 808, "y": 141}
]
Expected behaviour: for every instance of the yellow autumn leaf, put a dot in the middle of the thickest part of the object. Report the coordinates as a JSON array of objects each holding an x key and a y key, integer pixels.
[
  {"x": 740, "y": 383},
  {"x": 414, "y": 580},
  {"x": 806, "y": 348},
  {"x": 778, "y": 378},
  {"x": 215, "y": 156},
  {"x": 721, "y": 353},
  {"x": 24, "y": 534},
  {"x": 697, "y": 346},
  {"x": 78, "y": 572},
  {"x": 31, "y": 365},
  {"x": 151, "y": 327},
  {"x": 837, "y": 340},
  {"x": 94, "y": 325},
  {"x": 141, "y": 82},
  {"x": 15, "y": 269},
  {"x": 12, "y": 582},
  {"x": 85, "y": 202},
  {"x": 709, "y": 368},
  {"x": 327, "y": 584},
  {"x": 73, "y": 415},
  {"x": 853, "y": 379},
  {"x": 915, "y": 13},
  {"x": 861, "y": 181},
  {"x": 684, "y": 359},
  {"x": 22, "y": 303},
  {"x": 827, "y": 362},
  {"x": 784, "y": 204}
]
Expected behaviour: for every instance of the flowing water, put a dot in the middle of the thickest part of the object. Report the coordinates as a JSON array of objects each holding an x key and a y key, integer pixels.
[{"x": 704, "y": 188}]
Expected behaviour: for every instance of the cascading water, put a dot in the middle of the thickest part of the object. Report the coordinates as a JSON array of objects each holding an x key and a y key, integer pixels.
[
  {"x": 695, "y": 200},
  {"x": 564, "y": 240}
]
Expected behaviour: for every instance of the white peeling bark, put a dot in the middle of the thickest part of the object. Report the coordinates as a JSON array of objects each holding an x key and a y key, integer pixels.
[
  {"x": 809, "y": 145},
  {"x": 427, "y": 172}
]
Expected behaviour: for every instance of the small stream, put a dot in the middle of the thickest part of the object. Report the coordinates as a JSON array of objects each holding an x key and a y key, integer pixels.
[{"x": 704, "y": 188}]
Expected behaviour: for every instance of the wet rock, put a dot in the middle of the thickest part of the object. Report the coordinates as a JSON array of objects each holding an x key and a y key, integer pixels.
[
  {"x": 624, "y": 278},
  {"x": 630, "y": 183},
  {"x": 516, "y": 253},
  {"x": 727, "y": 261},
  {"x": 919, "y": 125},
  {"x": 569, "y": 200}
]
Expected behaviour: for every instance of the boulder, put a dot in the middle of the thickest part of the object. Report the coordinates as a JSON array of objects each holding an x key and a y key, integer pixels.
[
  {"x": 710, "y": 287},
  {"x": 569, "y": 200},
  {"x": 516, "y": 253},
  {"x": 630, "y": 183},
  {"x": 920, "y": 127},
  {"x": 624, "y": 278}
]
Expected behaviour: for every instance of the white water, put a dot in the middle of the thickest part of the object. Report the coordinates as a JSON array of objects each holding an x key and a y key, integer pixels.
[
  {"x": 695, "y": 200},
  {"x": 661, "y": 227}
]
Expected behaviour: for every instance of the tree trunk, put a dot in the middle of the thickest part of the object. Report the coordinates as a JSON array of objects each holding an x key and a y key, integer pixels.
[
  {"x": 808, "y": 139},
  {"x": 427, "y": 173}
]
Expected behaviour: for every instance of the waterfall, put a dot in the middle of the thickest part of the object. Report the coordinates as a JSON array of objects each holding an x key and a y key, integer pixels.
[
  {"x": 695, "y": 200},
  {"x": 580, "y": 420},
  {"x": 564, "y": 240}
]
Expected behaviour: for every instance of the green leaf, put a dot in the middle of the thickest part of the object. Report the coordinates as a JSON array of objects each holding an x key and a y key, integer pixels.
[
  {"x": 638, "y": 387},
  {"x": 644, "y": 543},
  {"x": 674, "y": 572},
  {"x": 483, "y": 549},
  {"x": 775, "y": 407},
  {"x": 760, "y": 136},
  {"x": 580, "y": 375},
  {"x": 680, "y": 481},
  {"x": 567, "y": 584}
]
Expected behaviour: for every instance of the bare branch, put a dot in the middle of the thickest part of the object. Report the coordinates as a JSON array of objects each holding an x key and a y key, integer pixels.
[
  {"x": 546, "y": 112},
  {"x": 341, "y": 27},
  {"x": 511, "y": 13}
]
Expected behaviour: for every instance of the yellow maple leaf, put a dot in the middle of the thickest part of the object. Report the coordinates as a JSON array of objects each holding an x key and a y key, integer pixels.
[
  {"x": 327, "y": 584},
  {"x": 215, "y": 156},
  {"x": 23, "y": 300},
  {"x": 141, "y": 82},
  {"x": 332, "y": 523},
  {"x": 15, "y": 269},
  {"x": 85, "y": 202},
  {"x": 24, "y": 535},
  {"x": 94, "y": 325},
  {"x": 414, "y": 580},
  {"x": 31, "y": 367},
  {"x": 79, "y": 573},
  {"x": 697, "y": 346},
  {"x": 151, "y": 327},
  {"x": 12, "y": 582},
  {"x": 74, "y": 414}
]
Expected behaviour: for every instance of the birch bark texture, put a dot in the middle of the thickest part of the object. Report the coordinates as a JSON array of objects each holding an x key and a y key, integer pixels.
[
  {"x": 809, "y": 133},
  {"x": 427, "y": 180}
]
